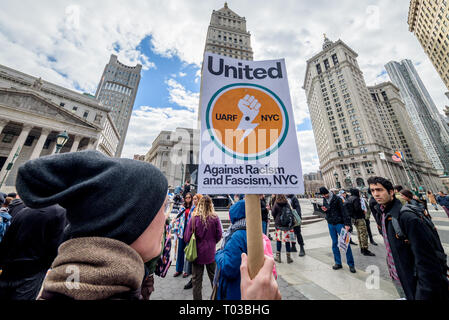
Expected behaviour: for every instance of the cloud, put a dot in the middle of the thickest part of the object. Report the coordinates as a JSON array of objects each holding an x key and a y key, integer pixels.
[
  {"x": 146, "y": 124},
  {"x": 307, "y": 150},
  {"x": 182, "y": 97}
]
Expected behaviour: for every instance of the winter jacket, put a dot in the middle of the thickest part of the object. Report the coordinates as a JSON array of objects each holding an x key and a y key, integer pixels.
[
  {"x": 443, "y": 201},
  {"x": 229, "y": 258},
  {"x": 264, "y": 210},
  {"x": 32, "y": 241},
  {"x": 336, "y": 212},
  {"x": 15, "y": 206},
  {"x": 276, "y": 212},
  {"x": 353, "y": 205},
  {"x": 417, "y": 265},
  {"x": 207, "y": 236}
]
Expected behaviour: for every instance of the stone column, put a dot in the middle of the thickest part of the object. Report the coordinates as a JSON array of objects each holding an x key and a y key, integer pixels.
[
  {"x": 40, "y": 143},
  {"x": 19, "y": 143},
  {"x": 76, "y": 144},
  {"x": 92, "y": 144},
  {"x": 3, "y": 123}
]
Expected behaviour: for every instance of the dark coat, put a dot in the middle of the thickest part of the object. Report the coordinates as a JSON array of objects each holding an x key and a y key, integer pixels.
[
  {"x": 354, "y": 207},
  {"x": 336, "y": 212},
  {"x": 207, "y": 236},
  {"x": 264, "y": 210},
  {"x": 15, "y": 206},
  {"x": 417, "y": 265},
  {"x": 276, "y": 212},
  {"x": 295, "y": 204},
  {"x": 32, "y": 241}
]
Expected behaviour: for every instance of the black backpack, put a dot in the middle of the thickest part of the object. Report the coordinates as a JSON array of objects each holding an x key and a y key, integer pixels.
[
  {"x": 286, "y": 219},
  {"x": 419, "y": 211}
]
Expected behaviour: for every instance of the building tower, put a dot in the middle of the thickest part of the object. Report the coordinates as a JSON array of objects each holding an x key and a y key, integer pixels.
[
  {"x": 346, "y": 122},
  {"x": 227, "y": 35},
  {"x": 117, "y": 89},
  {"x": 423, "y": 112},
  {"x": 429, "y": 21}
]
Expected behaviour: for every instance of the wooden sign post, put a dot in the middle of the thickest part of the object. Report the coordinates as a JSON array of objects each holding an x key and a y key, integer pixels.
[{"x": 254, "y": 234}]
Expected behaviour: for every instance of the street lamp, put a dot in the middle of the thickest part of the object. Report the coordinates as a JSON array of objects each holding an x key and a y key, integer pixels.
[
  {"x": 61, "y": 139},
  {"x": 336, "y": 179}
]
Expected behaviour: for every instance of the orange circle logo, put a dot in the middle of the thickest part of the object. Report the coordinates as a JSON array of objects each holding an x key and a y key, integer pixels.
[{"x": 247, "y": 121}]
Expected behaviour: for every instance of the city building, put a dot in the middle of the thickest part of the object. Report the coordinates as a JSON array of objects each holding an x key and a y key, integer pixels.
[
  {"x": 117, "y": 90},
  {"x": 401, "y": 136},
  {"x": 313, "y": 182},
  {"x": 139, "y": 157},
  {"x": 347, "y": 124},
  {"x": 422, "y": 111},
  {"x": 175, "y": 154},
  {"x": 227, "y": 35},
  {"x": 33, "y": 112},
  {"x": 429, "y": 21}
]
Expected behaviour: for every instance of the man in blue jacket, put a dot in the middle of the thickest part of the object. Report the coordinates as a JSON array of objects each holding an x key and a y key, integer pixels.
[
  {"x": 228, "y": 258},
  {"x": 443, "y": 200}
]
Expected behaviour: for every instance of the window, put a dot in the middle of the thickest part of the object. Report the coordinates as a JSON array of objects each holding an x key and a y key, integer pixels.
[
  {"x": 8, "y": 138},
  {"x": 29, "y": 141},
  {"x": 86, "y": 113},
  {"x": 62, "y": 104},
  {"x": 335, "y": 59},
  {"x": 326, "y": 64},
  {"x": 75, "y": 108},
  {"x": 318, "y": 68}
]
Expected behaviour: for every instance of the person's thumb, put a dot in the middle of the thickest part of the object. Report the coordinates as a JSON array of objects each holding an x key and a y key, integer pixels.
[{"x": 244, "y": 275}]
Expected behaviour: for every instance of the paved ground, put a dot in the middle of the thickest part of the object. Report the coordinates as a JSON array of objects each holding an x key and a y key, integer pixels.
[{"x": 311, "y": 277}]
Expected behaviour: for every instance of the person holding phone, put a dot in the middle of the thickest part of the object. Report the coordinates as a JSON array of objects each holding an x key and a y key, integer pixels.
[{"x": 337, "y": 219}]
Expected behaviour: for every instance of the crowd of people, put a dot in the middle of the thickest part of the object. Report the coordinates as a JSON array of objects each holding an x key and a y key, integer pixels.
[{"x": 71, "y": 233}]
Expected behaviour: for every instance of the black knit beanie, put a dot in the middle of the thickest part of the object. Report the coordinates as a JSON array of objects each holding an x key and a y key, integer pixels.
[{"x": 104, "y": 197}]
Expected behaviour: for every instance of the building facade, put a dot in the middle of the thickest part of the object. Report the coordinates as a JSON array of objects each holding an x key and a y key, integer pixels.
[
  {"x": 175, "y": 154},
  {"x": 429, "y": 21},
  {"x": 227, "y": 35},
  {"x": 346, "y": 122},
  {"x": 422, "y": 111},
  {"x": 117, "y": 90},
  {"x": 312, "y": 183},
  {"x": 33, "y": 112},
  {"x": 401, "y": 136}
]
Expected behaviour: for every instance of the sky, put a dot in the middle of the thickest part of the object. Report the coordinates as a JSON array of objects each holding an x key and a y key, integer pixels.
[{"x": 69, "y": 43}]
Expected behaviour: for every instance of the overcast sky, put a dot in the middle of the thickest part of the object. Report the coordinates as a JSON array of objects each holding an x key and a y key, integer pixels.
[{"x": 69, "y": 43}]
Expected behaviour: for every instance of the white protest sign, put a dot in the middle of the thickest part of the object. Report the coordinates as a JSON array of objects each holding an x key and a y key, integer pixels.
[{"x": 248, "y": 134}]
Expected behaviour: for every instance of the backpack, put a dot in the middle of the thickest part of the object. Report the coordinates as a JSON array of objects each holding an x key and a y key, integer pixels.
[
  {"x": 5, "y": 222},
  {"x": 419, "y": 212},
  {"x": 286, "y": 219}
]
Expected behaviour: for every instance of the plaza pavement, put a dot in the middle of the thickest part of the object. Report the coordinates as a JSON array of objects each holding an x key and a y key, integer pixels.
[{"x": 311, "y": 277}]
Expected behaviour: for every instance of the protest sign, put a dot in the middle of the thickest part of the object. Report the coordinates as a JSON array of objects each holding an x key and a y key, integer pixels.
[{"x": 248, "y": 142}]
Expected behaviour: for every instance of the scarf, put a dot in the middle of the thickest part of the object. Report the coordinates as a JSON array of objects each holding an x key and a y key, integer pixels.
[
  {"x": 107, "y": 267},
  {"x": 238, "y": 225}
]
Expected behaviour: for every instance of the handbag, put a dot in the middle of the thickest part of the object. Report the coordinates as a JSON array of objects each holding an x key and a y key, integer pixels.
[
  {"x": 295, "y": 215},
  {"x": 190, "y": 250}
]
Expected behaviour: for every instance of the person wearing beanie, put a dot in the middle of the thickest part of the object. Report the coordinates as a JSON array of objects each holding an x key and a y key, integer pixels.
[
  {"x": 111, "y": 233},
  {"x": 15, "y": 205},
  {"x": 337, "y": 218},
  {"x": 229, "y": 257}
]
